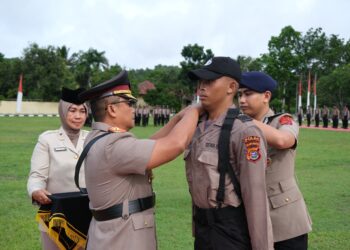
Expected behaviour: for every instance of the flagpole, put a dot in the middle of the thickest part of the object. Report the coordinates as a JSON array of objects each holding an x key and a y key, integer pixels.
[
  {"x": 308, "y": 90},
  {"x": 299, "y": 102},
  {"x": 315, "y": 94},
  {"x": 19, "y": 95}
]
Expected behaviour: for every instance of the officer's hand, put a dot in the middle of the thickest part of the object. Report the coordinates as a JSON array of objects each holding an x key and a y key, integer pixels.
[
  {"x": 198, "y": 107},
  {"x": 40, "y": 196}
]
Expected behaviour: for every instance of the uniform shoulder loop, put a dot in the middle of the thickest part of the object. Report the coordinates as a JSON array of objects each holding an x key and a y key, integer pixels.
[
  {"x": 271, "y": 118},
  {"x": 244, "y": 118}
]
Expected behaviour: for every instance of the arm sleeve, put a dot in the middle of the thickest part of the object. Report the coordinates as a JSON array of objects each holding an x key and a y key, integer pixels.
[
  {"x": 130, "y": 155},
  {"x": 39, "y": 169},
  {"x": 252, "y": 163}
]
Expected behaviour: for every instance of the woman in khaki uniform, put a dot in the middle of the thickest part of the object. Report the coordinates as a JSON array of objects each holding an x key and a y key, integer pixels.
[
  {"x": 118, "y": 167},
  {"x": 55, "y": 155},
  {"x": 289, "y": 215}
]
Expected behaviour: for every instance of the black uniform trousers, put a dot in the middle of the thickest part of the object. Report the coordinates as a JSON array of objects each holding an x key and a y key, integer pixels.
[
  {"x": 335, "y": 120},
  {"x": 317, "y": 120},
  {"x": 325, "y": 121},
  {"x": 297, "y": 243},
  {"x": 308, "y": 117},
  {"x": 221, "y": 229},
  {"x": 345, "y": 122}
]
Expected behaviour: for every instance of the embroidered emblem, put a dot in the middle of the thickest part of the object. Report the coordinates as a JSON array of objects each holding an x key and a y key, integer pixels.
[
  {"x": 116, "y": 130},
  {"x": 286, "y": 120},
  {"x": 211, "y": 145},
  {"x": 252, "y": 144}
]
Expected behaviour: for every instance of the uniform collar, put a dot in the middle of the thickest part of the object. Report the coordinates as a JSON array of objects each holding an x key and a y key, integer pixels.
[
  {"x": 218, "y": 122},
  {"x": 267, "y": 115},
  {"x": 100, "y": 126}
]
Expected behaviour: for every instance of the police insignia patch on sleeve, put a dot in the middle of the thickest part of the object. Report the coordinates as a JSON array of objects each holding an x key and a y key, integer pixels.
[
  {"x": 286, "y": 120},
  {"x": 252, "y": 144}
]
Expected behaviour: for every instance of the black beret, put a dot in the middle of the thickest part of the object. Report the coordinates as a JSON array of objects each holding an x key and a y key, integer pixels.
[
  {"x": 217, "y": 67},
  {"x": 72, "y": 95},
  {"x": 118, "y": 85},
  {"x": 258, "y": 81}
]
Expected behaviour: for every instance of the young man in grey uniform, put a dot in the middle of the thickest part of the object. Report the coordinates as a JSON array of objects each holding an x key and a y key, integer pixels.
[
  {"x": 117, "y": 167},
  {"x": 239, "y": 221},
  {"x": 289, "y": 215}
]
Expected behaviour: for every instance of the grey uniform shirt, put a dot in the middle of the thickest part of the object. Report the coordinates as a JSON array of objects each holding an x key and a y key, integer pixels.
[
  {"x": 288, "y": 211},
  {"x": 115, "y": 172},
  {"x": 248, "y": 159}
]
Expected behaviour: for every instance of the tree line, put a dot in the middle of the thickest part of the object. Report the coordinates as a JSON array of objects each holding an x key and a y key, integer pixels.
[{"x": 291, "y": 56}]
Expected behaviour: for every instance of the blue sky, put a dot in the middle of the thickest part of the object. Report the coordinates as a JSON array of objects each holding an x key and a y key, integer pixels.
[{"x": 145, "y": 33}]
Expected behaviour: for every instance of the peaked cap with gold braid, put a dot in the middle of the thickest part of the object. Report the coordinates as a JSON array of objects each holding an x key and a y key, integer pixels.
[{"x": 118, "y": 85}]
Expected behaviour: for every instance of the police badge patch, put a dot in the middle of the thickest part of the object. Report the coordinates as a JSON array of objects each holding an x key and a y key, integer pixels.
[{"x": 252, "y": 144}]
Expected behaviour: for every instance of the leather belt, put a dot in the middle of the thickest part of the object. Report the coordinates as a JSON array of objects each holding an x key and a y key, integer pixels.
[{"x": 116, "y": 211}]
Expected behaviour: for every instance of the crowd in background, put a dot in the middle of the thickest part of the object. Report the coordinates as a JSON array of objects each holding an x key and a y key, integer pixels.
[
  {"x": 160, "y": 114},
  {"x": 325, "y": 114}
]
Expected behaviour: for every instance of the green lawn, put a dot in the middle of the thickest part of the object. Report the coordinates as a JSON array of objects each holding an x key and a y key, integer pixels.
[{"x": 323, "y": 170}]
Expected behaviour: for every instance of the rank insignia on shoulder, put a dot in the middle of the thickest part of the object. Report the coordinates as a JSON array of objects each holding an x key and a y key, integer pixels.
[
  {"x": 286, "y": 120},
  {"x": 252, "y": 144},
  {"x": 116, "y": 130}
]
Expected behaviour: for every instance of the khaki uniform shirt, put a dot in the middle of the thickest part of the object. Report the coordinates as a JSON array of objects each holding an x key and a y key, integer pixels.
[
  {"x": 115, "y": 174},
  {"x": 53, "y": 163},
  {"x": 249, "y": 163},
  {"x": 288, "y": 211}
]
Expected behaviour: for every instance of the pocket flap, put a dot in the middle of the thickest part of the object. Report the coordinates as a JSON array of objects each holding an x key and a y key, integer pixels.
[
  {"x": 208, "y": 157},
  {"x": 140, "y": 220},
  {"x": 288, "y": 184},
  {"x": 285, "y": 198}
]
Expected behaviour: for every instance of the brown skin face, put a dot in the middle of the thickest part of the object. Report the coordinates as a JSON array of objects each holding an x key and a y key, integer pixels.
[
  {"x": 217, "y": 95},
  {"x": 254, "y": 104},
  {"x": 76, "y": 116},
  {"x": 121, "y": 114}
]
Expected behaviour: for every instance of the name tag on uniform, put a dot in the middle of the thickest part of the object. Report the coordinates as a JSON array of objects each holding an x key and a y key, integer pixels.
[{"x": 57, "y": 149}]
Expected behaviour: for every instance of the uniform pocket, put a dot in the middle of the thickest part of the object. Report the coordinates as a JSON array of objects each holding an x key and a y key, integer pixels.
[
  {"x": 285, "y": 198},
  {"x": 140, "y": 221},
  {"x": 209, "y": 158}
]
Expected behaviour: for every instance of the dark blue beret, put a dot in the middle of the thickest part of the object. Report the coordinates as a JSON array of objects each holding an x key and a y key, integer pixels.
[{"x": 258, "y": 81}]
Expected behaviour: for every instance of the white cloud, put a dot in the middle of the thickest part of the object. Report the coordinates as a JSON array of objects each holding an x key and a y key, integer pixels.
[{"x": 139, "y": 34}]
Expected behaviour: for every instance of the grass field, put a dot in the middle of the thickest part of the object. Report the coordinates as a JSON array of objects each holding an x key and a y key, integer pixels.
[{"x": 323, "y": 170}]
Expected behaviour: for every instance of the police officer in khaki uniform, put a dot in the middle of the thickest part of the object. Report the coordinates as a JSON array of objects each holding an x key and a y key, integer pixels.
[
  {"x": 235, "y": 223},
  {"x": 55, "y": 155},
  {"x": 289, "y": 215},
  {"x": 117, "y": 167}
]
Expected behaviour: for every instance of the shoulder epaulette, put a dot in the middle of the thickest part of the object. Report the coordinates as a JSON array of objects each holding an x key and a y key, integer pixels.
[
  {"x": 244, "y": 118},
  {"x": 270, "y": 118}
]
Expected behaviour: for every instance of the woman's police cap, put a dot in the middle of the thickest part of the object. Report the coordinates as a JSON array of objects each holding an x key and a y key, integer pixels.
[
  {"x": 72, "y": 95},
  {"x": 117, "y": 86},
  {"x": 258, "y": 81},
  {"x": 217, "y": 67}
]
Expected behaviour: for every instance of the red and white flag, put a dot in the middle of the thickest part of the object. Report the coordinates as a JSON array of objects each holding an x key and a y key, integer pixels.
[
  {"x": 308, "y": 90},
  {"x": 19, "y": 95},
  {"x": 315, "y": 95},
  {"x": 299, "y": 94}
]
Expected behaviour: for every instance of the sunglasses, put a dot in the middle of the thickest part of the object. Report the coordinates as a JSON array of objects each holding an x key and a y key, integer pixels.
[{"x": 130, "y": 103}]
